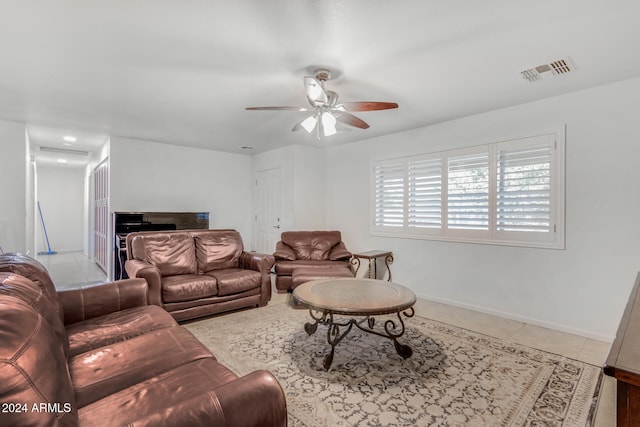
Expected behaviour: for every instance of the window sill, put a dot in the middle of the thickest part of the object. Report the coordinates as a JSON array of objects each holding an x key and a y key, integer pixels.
[{"x": 557, "y": 245}]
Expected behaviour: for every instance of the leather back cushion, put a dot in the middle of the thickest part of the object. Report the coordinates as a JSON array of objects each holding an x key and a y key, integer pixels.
[
  {"x": 33, "y": 368},
  {"x": 218, "y": 249},
  {"x": 34, "y": 271},
  {"x": 314, "y": 245},
  {"x": 24, "y": 289},
  {"x": 171, "y": 253}
]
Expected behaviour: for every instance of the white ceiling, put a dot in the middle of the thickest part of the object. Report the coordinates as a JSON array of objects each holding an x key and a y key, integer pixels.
[{"x": 182, "y": 72}]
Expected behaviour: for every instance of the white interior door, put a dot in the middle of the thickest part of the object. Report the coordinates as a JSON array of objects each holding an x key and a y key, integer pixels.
[{"x": 268, "y": 212}]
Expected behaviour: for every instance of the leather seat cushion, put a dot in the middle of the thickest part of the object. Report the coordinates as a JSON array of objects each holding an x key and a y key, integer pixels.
[
  {"x": 152, "y": 398},
  {"x": 285, "y": 268},
  {"x": 33, "y": 367},
  {"x": 218, "y": 303},
  {"x": 117, "y": 326},
  {"x": 235, "y": 280},
  {"x": 188, "y": 287},
  {"x": 107, "y": 370}
]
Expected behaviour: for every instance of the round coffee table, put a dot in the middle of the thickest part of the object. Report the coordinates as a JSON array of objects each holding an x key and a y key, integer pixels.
[{"x": 360, "y": 300}]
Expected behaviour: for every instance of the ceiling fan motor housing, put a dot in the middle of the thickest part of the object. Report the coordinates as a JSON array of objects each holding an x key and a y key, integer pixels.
[{"x": 322, "y": 74}]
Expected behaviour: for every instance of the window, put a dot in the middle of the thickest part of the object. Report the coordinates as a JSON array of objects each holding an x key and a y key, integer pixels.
[
  {"x": 389, "y": 195},
  {"x": 510, "y": 192},
  {"x": 425, "y": 189},
  {"x": 468, "y": 191}
]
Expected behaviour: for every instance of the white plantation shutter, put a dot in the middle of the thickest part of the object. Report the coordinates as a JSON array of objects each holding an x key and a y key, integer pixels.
[
  {"x": 524, "y": 189},
  {"x": 424, "y": 193},
  {"x": 389, "y": 194},
  {"x": 468, "y": 191},
  {"x": 510, "y": 193}
]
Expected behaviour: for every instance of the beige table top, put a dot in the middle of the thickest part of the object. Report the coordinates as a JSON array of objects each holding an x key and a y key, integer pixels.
[
  {"x": 354, "y": 296},
  {"x": 372, "y": 254}
]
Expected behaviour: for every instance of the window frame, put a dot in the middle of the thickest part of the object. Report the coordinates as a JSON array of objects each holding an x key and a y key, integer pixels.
[{"x": 552, "y": 239}]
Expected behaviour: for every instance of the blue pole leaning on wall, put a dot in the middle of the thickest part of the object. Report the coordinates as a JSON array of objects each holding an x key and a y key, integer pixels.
[{"x": 48, "y": 251}]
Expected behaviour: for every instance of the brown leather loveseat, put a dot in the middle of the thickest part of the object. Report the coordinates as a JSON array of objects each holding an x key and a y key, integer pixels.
[
  {"x": 323, "y": 251},
  {"x": 194, "y": 273},
  {"x": 100, "y": 356}
]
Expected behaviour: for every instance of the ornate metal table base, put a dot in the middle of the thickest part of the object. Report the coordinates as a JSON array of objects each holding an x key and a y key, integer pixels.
[{"x": 335, "y": 333}]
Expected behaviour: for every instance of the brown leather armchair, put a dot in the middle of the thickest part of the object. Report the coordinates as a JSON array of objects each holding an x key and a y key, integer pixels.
[{"x": 321, "y": 250}]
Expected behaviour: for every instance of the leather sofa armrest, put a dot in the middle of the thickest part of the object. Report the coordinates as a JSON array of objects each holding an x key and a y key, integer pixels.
[
  {"x": 256, "y": 261},
  {"x": 259, "y": 391},
  {"x": 262, "y": 263},
  {"x": 284, "y": 251},
  {"x": 339, "y": 252},
  {"x": 97, "y": 300},
  {"x": 144, "y": 270}
]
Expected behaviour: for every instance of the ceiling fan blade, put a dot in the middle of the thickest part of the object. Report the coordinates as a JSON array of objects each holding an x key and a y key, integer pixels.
[
  {"x": 351, "y": 120},
  {"x": 278, "y": 108},
  {"x": 368, "y": 106},
  {"x": 315, "y": 92}
]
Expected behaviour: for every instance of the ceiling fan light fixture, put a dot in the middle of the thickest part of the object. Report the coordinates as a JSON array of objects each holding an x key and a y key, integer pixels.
[
  {"x": 309, "y": 123},
  {"x": 329, "y": 124}
]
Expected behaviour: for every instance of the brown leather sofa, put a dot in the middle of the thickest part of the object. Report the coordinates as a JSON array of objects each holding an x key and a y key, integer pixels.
[
  {"x": 194, "y": 273},
  {"x": 100, "y": 356},
  {"x": 323, "y": 250}
]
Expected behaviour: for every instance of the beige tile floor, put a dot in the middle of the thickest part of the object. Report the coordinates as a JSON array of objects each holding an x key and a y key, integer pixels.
[
  {"x": 571, "y": 346},
  {"x": 74, "y": 269}
]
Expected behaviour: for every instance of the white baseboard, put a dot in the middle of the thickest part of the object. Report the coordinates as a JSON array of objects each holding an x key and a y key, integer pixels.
[{"x": 524, "y": 319}]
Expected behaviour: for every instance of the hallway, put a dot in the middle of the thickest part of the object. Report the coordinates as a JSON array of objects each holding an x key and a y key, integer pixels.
[{"x": 72, "y": 269}]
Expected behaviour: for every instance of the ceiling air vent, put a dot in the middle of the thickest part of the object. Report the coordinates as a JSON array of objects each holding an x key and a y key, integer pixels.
[
  {"x": 560, "y": 67},
  {"x": 555, "y": 68},
  {"x": 64, "y": 151}
]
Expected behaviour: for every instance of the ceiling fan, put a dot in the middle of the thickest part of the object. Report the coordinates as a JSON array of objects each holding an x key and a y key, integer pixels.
[{"x": 326, "y": 112}]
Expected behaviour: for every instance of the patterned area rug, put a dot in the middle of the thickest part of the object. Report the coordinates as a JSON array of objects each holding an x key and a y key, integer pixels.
[{"x": 454, "y": 378}]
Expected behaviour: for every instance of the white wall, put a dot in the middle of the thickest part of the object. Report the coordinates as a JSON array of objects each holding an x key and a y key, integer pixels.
[
  {"x": 61, "y": 193},
  {"x": 30, "y": 199},
  {"x": 87, "y": 211},
  {"x": 151, "y": 176},
  {"x": 13, "y": 191},
  {"x": 303, "y": 184},
  {"x": 308, "y": 188},
  {"x": 582, "y": 289}
]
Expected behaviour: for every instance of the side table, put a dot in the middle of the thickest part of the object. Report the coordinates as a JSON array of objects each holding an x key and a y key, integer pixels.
[{"x": 372, "y": 258}]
